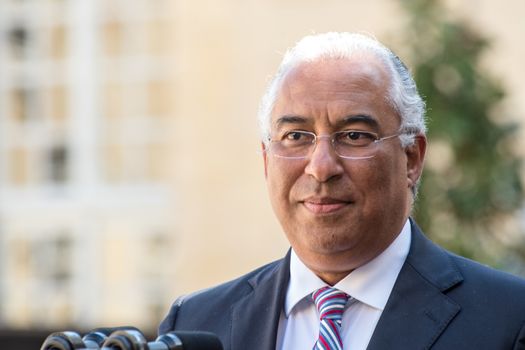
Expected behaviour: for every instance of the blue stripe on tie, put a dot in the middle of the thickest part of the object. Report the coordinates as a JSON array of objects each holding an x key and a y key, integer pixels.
[{"x": 330, "y": 303}]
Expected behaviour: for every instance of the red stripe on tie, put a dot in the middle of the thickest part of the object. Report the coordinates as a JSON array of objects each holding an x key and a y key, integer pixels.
[{"x": 330, "y": 303}]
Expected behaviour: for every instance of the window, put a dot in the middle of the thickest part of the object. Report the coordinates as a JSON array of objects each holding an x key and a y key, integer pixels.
[
  {"x": 18, "y": 166},
  {"x": 58, "y": 164},
  {"x": 56, "y": 103},
  {"x": 158, "y": 98},
  {"x": 158, "y": 36},
  {"x": 112, "y": 155},
  {"x": 58, "y": 42},
  {"x": 18, "y": 38},
  {"x": 112, "y": 34},
  {"x": 113, "y": 100},
  {"x": 22, "y": 102},
  {"x": 156, "y": 162},
  {"x": 51, "y": 259}
]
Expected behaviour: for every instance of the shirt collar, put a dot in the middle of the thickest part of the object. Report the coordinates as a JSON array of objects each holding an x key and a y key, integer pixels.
[{"x": 370, "y": 283}]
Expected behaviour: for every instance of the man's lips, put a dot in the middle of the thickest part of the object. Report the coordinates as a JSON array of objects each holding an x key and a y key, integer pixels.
[{"x": 324, "y": 205}]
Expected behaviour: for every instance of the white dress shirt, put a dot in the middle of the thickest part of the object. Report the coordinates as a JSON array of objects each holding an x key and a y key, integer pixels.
[{"x": 369, "y": 287}]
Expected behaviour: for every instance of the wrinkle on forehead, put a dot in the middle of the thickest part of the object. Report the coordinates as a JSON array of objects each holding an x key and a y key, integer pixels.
[
  {"x": 338, "y": 84},
  {"x": 365, "y": 69}
]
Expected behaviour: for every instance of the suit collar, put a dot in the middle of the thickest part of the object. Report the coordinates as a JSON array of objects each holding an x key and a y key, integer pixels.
[
  {"x": 417, "y": 311},
  {"x": 370, "y": 284},
  {"x": 255, "y": 318},
  {"x": 415, "y": 315},
  {"x": 432, "y": 261}
]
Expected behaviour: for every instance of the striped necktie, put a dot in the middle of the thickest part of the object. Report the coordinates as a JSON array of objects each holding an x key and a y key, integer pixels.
[{"x": 330, "y": 303}]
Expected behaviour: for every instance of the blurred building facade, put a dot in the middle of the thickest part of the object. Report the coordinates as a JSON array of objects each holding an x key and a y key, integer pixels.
[
  {"x": 84, "y": 127},
  {"x": 129, "y": 163}
]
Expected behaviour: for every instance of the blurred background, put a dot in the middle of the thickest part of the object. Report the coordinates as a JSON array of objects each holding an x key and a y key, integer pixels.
[{"x": 130, "y": 170}]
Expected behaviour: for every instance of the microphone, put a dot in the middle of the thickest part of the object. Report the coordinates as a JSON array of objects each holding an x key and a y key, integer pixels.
[
  {"x": 134, "y": 340},
  {"x": 66, "y": 340},
  {"x": 182, "y": 340},
  {"x": 126, "y": 339},
  {"x": 131, "y": 338},
  {"x": 96, "y": 337}
]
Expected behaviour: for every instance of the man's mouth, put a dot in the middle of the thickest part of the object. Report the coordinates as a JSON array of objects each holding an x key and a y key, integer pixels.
[{"x": 324, "y": 205}]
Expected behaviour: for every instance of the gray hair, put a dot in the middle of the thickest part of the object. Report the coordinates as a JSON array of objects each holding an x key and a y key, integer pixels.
[{"x": 403, "y": 94}]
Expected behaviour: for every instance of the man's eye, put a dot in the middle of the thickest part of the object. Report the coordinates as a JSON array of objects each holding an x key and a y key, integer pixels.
[
  {"x": 356, "y": 135},
  {"x": 297, "y": 139},
  {"x": 356, "y": 138},
  {"x": 294, "y": 136}
]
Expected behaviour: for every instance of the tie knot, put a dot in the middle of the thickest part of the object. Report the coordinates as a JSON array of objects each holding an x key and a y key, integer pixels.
[{"x": 330, "y": 302}]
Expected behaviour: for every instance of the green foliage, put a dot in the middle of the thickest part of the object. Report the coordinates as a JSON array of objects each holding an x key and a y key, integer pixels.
[{"x": 471, "y": 184}]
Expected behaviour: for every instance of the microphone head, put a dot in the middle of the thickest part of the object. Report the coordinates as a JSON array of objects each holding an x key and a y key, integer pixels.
[
  {"x": 191, "y": 341},
  {"x": 131, "y": 339},
  {"x": 96, "y": 337},
  {"x": 66, "y": 340}
]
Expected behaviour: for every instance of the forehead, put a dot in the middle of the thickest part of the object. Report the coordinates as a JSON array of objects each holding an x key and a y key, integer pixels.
[{"x": 330, "y": 90}]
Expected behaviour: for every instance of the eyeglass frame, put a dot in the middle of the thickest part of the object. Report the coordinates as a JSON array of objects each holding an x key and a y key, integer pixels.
[{"x": 332, "y": 138}]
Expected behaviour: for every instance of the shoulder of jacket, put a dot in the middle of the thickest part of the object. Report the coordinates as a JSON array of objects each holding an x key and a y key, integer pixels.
[{"x": 240, "y": 285}]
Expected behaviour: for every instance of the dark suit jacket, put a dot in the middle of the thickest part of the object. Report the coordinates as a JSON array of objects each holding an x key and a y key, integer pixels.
[{"x": 439, "y": 301}]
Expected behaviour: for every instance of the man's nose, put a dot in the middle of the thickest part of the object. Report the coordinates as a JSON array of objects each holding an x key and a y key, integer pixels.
[{"x": 324, "y": 163}]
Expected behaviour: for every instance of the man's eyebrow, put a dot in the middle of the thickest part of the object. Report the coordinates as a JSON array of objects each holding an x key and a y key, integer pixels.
[
  {"x": 351, "y": 119},
  {"x": 360, "y": 118},
  {"x": 290, "y": 119}
]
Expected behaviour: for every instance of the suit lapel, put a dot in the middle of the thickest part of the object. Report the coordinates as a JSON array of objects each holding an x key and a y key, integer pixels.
[
  {"x": 417, "y": 311},
  {"x": 255, "y": 318}
]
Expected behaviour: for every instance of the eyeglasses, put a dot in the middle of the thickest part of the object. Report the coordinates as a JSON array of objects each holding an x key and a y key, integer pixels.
[{"x": 348, "y": 144}]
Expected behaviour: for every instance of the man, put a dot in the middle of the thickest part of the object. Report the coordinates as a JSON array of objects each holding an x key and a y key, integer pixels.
[{"x": 344, "y": 144}]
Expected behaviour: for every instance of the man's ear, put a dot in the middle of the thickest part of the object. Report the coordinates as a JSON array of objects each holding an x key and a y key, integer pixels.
[
  {"x": 415, "y": 159},
  {"x": 265, "y": 158}
]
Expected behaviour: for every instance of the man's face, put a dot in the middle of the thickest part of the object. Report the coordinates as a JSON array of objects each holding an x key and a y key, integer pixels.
[{"x": 339, "y": 213}]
